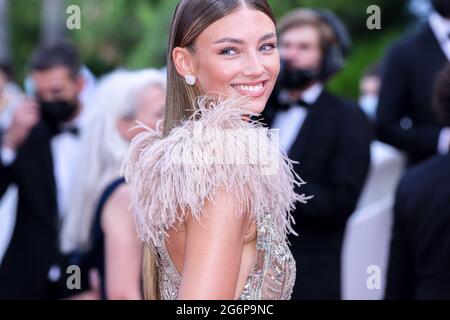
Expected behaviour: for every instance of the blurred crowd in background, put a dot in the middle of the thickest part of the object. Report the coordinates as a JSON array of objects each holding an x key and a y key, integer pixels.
[{"x": 366, "y": 113}]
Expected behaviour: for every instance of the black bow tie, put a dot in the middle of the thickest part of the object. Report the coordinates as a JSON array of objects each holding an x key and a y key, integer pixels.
[{"x": 284, "y": 106}]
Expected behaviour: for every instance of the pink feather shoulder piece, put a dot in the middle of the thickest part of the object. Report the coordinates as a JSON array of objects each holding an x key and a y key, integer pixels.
[{"x": 216, "y": 148}]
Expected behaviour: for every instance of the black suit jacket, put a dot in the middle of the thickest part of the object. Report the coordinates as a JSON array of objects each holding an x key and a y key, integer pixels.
[
  {"x": 409, "y": 72},
  {"x": 419, "y": 259},
  {"x": 333, "y": 151},
  {"x": 33, "y": 248}
]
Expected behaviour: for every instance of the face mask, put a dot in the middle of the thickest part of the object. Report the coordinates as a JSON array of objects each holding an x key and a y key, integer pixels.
[
  {"x": 57, "y": 112},
  {"x": 442, "y": 7},
  {"x": 369, "y": 103},
  {"x": 290, "y": 78}
]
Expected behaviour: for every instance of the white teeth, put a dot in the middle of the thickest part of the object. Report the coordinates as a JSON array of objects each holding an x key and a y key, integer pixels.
[{"x": 250, "y": 88}]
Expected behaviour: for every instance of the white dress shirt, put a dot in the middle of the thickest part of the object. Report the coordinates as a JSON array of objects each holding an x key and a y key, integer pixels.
[
  {"x": 290, "y": 122},
  {"x": 441, "y": 29},
  {"x": 65, "y": 150}
]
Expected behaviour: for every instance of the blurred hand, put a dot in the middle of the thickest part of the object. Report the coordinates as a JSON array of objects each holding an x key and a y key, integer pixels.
[{"x": 25, "y": 117}]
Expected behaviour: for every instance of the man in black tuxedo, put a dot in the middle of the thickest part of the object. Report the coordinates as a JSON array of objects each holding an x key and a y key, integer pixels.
[
  {"x": 404, "y": 118},
  {"x": 330, "y": 138},
  {"x": 419, "y": 260},
  {"x": 37, "y": 153}
]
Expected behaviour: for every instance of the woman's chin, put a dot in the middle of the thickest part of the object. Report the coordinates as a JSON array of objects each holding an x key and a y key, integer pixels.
[{"x": 257, "y": 108}]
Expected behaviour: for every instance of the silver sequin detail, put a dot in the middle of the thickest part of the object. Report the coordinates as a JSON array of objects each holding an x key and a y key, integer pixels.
[{"x": 272, "y": 276}]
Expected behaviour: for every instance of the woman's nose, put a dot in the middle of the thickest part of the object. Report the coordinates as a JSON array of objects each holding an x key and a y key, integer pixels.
[{"x": 253, "y": 66}]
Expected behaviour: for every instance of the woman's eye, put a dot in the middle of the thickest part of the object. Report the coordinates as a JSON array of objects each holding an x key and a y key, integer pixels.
[
  {"x": 268, "y": 46},
  {"x": 227, "y": 51}
]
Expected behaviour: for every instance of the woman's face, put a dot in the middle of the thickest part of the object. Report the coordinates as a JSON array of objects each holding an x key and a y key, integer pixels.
[{"x": 236, "y": 55}]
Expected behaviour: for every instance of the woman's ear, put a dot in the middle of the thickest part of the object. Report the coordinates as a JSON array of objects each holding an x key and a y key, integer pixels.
[{"x": 183, "y": 61}]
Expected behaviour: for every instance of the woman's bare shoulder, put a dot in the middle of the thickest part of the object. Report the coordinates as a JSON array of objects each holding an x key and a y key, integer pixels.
[{"x": 206, "y": 160}]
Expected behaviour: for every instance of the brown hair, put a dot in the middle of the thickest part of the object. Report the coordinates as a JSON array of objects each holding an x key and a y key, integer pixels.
[
  {"x": 190, "y": 19},
  {"x": 441, "y": 95},
  {"x": 307, "y": 17}
]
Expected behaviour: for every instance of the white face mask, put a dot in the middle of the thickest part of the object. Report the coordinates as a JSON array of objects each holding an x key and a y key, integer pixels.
[{"x": 369, "y": 104}]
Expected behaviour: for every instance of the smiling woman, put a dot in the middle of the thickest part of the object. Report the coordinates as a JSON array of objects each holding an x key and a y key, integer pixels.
[
  {"x": 215, "y": 230},
  {"x": 235, "y": 55}
]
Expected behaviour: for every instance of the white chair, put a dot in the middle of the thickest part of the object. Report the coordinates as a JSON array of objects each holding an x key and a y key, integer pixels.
[
  {"x": 368, "y": 232},
  {"x": 365, "y": 251}
]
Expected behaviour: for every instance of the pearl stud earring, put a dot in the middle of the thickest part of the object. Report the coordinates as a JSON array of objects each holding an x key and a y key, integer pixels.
[{"x": 190, "y": 79}]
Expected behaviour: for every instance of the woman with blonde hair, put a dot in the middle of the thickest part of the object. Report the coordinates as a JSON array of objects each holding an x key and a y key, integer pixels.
[
  {"x": 212, "y": 210},
  {"x": 99, "y": 232}
]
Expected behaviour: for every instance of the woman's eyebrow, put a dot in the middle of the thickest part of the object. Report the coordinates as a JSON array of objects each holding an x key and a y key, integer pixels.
[
  {"x": 239, "y": 41},
  {"x": 267, "y": 36}
]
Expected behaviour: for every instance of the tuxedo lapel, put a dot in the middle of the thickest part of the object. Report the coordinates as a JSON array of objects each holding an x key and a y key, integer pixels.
[
  {"x": 429, "y": 58},
  {"x": 37, "y": 174},
  {"x": 432, "y": 45},
  {"x": 48, "y": 174},
  {"x": 307, "y": 133}
]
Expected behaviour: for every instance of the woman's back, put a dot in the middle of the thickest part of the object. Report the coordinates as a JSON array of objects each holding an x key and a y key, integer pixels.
[
  {"x": 267, "y": 269},
  {"x": 174, "y": 255}
]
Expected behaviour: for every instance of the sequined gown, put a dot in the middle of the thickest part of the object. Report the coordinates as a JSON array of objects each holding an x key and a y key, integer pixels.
[
  {"x": 272, "y": 276},
  {"x": 165, "y": 189}
]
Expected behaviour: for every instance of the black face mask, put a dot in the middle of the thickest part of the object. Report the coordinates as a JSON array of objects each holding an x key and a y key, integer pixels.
[
  {"x": 290, "y": 78},
  {"x": 57, "y": 112},
  {"x": 442, "y": 7}
]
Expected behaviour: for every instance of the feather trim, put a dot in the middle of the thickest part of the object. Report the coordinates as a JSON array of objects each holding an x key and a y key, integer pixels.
[{"x": 215, "y": 148}]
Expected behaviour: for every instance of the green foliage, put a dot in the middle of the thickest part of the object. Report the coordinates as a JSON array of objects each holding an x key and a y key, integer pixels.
[
  {"x": 352, "y": 12},
  {"x": 366, "y": 52},
  {"x": 134, "y": 33},
  {"x": 123, "y": 33},
  {"x": 24, "y": 20}
]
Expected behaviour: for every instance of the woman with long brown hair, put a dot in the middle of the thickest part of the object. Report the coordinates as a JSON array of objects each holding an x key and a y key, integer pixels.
[{"x": 215, "y": 227}]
